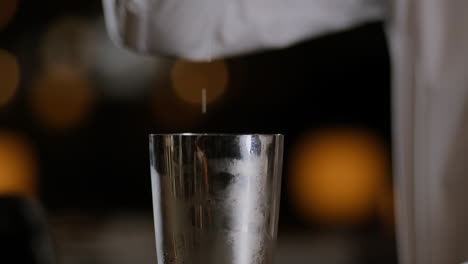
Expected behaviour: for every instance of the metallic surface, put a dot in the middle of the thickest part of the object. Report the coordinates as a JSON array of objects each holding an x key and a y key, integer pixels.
[{"x": 215, "y": 197}]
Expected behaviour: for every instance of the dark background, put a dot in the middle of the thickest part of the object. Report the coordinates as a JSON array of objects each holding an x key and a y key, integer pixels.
[{"x": 100, "y": 169}]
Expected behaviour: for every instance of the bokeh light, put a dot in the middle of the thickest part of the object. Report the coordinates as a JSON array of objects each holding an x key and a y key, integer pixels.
[
  {"x": 7, "y": 12},
  {"x": 69, "y": 41},
  {"x": 189, "y": 79},
  {"x": 17, "y": 166},
  {"x": 9, "y": 76},
  {"x": 336, "y": 176},
  {"x": 61, "y": 98}
]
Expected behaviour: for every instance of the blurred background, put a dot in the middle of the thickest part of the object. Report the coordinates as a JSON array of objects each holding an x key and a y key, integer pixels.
[{"x": 75, "y": 112}]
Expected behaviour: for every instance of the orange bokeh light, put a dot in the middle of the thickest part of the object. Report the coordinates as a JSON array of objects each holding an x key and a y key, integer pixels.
[
  {"x": 7, "y": 12},
  {"x": 337, "y": 174},
  {"x": 17, "y": 166},
  {"x": 10, "y": 76},
  {"x": 190, "y": 78},
  {"x": 62, "y": 98}
]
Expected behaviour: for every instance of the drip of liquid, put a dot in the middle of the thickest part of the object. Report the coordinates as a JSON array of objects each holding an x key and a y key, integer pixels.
[
  {"x": 209, "y": 59},
  {"x": 204, "y": 101}
]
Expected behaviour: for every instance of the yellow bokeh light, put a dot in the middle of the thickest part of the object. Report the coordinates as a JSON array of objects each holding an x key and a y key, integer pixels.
[
  {"x": 189, "y": 79},
  {"x": 336, "y": 176},
  {"x": 171, "y": 113},
  {"x": 17, "y": 166},
  {"x": 62, "y": 98},
  {"x": 7, "y": 12},
  {"x": 9, "y": 76}
]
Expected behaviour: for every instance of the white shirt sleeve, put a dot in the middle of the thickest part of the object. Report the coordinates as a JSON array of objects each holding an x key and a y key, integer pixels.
[{"x": 205, "y": 29}]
